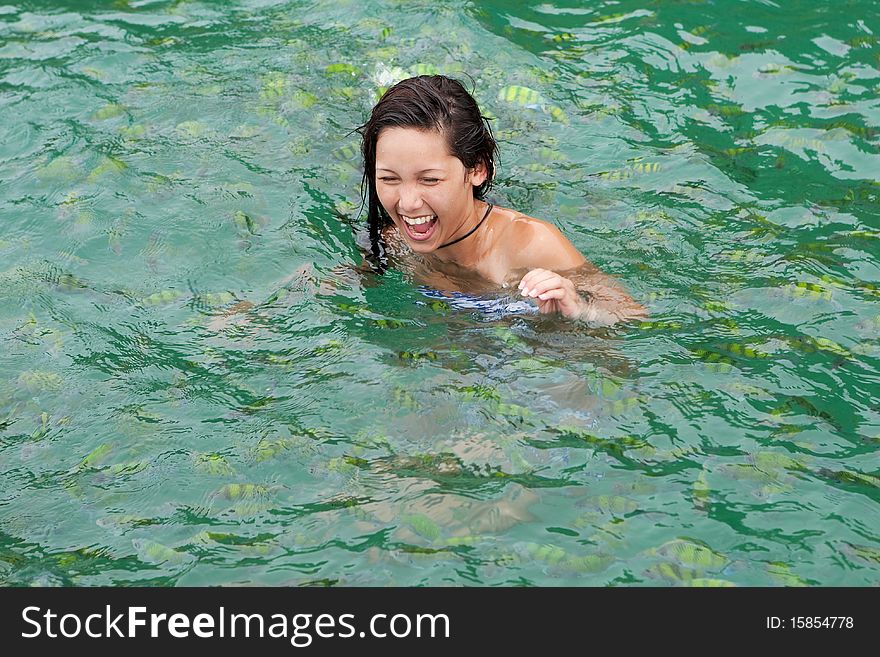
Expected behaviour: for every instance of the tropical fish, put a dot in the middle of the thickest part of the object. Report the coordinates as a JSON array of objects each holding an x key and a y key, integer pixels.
[
  {"x": 328, "y": 346},
  {"x": 612, "y": 504},
  {"x": 607, "y": 18},
  {"x": 114, "y": 237},
  {"x": 237, "y": 492},
  {"x": 539, "y": 167},
  {"x": 557, "y": 113},
  {"x": 612, "y": 445},
  {"x": 345, "y": 465},
  {"x": 522, "y": 96},
  {"x": 388, "y": 323},
  {"x": 588, "y": 563},
  {"x": 741, "y": 350},
  {"x": 107, "y": 164},
  {"x": 110, "y": 111},
  {"x": 781, "y": 573},
  {"x": 809, "y": 345},
  {"x": 645, "y": 167},
  {"x": 804, "y": 289},
  {"x": 416, "y": 356},
  {"x": 672, "y": 572},
  {"x": 865, "y": 552},
  {"x": 62, "y": 167},
  {"x": 710, "y": 582},
  {"x": 422, "y": 525},
  {"x": 857, "y": 130},
  {"x": 467, "y": 540},
  {"x": 715, "y": 361},
  {"x": 616, "y": 174},
  {"x": 162, "y": 298},
  {"x": 67, "y": 282},
  {"x": 700, "y": 492},
  {"x": 794, "y": 402},
  {"x": 191, "y": 129},
  {"x": 342, "y": 68},
  {"x": 747, "y": 472},
  {"x": 157, "y": 553},
  {"x": 245, "y": 222},
  {"x": 725, "y": 110},
  {"x": 870, "y": 324},
  {"x": 510, "y": 410},
  {"x": 430, "y": 465},
  {"x": 404, "y": 399},
  {"x": 124, "y": 521},
  {"x": 742, "y": 255},
  {"x": 532, "y": 365},
  {"x": 269, "y": 449},
  {"x": 716, "y": 306},
  {"x": 214, "y": 464},
  {"x": 127, "y": 468},
  {"x": 871, "y": 288},
  {"x": 40, "y": 380},
  {"x": 545, "y": 553},
  {"x": 215, "y": 298},
  {"x": 479, "y": 391},
  {"x": 245, "y": 131},
  {"x": 851, "y": 477},
  {"x": 274, "y": 86},
  {"x": 863, "y": 40},
  {"x": 659, "y": 325},
  {"x": 621, "y": 406},
  {"x": 692, "y": 554},
  {"x": 736, "y": 151},
  {"x": 96, "y": 456},
  {"x": 303, "y": 99},
  {"x": 257, "y": 545},
  {"x": 347, "y": 152},
  {"x": 160, "y": 41},
  {"x": 40, "y": 432}
]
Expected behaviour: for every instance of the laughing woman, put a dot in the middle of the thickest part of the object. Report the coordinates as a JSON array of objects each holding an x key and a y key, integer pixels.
[{"x": 428, "y": 162}]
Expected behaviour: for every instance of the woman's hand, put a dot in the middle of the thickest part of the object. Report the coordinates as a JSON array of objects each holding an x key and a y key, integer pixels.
[{"x": 554, "y": 293}]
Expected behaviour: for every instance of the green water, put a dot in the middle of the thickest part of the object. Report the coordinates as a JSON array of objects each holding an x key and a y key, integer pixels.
[{"x": 198, "y": 389}]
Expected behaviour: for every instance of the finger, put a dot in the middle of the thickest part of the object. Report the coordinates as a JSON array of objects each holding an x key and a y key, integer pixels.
[
  {"x": 547, "y": 307},
  {"x": 546, "y": 281},
  {"x": 555, "y": 293},
  {"x": 554, "y": 282},
  {"x": 530, "y": 277}
]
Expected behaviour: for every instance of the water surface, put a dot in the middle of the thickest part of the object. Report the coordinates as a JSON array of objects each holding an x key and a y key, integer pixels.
[{"x": 199, "y": 388}]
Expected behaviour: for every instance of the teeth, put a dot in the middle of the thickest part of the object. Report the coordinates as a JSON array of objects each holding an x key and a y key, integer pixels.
[{"x": 415, "y": 221}]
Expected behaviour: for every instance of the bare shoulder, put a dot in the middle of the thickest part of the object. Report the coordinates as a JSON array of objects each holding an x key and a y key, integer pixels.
[{"x": 532, "y": 243}]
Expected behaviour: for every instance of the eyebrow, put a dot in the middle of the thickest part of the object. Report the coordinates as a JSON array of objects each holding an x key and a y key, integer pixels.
[{"x": 422, "y": 171}]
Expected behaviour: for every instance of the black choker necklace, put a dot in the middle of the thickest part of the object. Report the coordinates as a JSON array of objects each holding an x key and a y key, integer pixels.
[{"x": 459, "y": 239}]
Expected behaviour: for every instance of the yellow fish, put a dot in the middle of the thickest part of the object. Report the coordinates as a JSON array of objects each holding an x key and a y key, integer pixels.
[
  {"x": 692, "y": 554},
  {"x": 518, "y": 95},
  {"x": 347, "y": 69}
]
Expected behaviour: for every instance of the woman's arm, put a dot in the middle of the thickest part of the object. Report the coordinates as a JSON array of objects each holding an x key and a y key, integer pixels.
[
  {"x": 586, "y": 296},
  {"x": 562, "y": 281}
]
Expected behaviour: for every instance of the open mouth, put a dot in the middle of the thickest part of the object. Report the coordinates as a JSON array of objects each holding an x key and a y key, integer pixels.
[{"x": 419, "y": 228}]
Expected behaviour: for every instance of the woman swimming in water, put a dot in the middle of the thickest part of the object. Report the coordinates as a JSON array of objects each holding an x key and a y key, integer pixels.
[{"x": 429, "y": 159}]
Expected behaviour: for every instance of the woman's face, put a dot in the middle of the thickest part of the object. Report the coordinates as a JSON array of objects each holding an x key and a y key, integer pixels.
[{"x": 427, "y": 192}]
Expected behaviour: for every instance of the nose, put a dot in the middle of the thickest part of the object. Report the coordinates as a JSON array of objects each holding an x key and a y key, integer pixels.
[{"x": 410, "y": 199}]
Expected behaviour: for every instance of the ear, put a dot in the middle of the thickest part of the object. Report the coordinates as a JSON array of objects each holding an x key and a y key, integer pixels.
[{"x": 478, "y": 174}]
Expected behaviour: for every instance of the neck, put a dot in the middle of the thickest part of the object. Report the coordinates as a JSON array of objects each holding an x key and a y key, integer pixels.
[{"x": 467, "y": 249}]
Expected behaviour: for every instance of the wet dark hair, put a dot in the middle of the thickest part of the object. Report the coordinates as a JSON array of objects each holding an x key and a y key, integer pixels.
[{"x": 427, "y": 102}]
